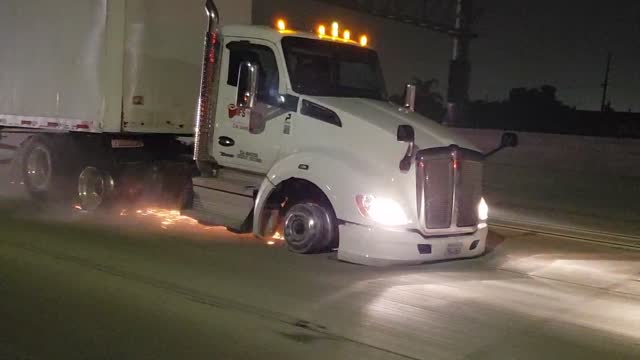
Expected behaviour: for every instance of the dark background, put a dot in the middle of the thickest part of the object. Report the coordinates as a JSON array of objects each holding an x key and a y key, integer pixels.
[{"x": 521, "y": 44}]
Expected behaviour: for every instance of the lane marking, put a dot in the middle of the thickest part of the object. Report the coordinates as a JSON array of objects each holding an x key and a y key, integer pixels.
[
  {"x": 624, "y": 241},
  {"x": 610, "y": 290},
  {"x": 502, "y": 221}
]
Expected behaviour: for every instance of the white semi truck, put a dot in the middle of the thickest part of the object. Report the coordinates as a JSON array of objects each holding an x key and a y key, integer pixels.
[{"x": 293, "y": 130}]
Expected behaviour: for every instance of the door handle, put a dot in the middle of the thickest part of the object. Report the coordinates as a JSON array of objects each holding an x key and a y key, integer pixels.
[{"x": 226, "y": 141}]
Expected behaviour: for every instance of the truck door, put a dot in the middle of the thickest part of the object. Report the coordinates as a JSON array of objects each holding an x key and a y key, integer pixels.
[{"x": 249, "y": 140}]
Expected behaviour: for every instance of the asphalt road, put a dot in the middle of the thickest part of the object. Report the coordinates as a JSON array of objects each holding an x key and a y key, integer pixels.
[
  {"x": 153, "y": 285},
  {"x": 150, "y": 284}
]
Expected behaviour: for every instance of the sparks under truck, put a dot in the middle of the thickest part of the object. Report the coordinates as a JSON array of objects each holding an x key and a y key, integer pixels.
[{"x": 293, "y": 130}]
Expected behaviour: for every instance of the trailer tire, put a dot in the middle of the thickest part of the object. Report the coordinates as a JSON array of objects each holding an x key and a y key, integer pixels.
[
  {"x": 310, "y": 228},
  {"x": 46, "y": 172}
]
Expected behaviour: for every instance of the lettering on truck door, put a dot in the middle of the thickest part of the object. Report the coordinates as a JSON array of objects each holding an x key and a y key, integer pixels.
[{"x": 249, "y": 139}]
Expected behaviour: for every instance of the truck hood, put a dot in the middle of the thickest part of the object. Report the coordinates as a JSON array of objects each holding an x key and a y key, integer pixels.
[{"x": 387, "y": 116}]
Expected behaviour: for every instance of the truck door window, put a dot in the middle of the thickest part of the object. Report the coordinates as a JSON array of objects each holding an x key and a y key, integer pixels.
[{"x": 264, "y": 57}]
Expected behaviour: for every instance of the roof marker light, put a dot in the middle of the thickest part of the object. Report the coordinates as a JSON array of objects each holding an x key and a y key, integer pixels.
[
  {"x": 364, "y": 40},
  {"x": 322, "y": 31},
  {"x": 335, "y": 29},
  {"x": 281, "y": 25},
  {"x": 347, "y": 35}
]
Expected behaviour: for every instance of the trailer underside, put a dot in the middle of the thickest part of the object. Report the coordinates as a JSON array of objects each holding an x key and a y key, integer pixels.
[{"x": 97, "y": 171}]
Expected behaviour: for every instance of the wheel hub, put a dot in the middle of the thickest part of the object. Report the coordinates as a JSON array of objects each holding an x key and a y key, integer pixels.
[{"x": 297, "y": 227}]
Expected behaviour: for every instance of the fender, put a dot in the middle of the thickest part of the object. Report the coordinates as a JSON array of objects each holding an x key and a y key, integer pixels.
[{"x": 338, "y": 174}]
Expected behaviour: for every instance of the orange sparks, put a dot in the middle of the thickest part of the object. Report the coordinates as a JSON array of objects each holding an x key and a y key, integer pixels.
[{"x": 168, "y": 217}]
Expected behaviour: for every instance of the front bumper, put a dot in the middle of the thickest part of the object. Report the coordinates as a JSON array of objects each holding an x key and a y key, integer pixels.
[{"x": 382, "y": 247}]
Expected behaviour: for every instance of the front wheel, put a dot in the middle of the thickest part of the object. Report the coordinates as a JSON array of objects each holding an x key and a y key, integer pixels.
[{"x": 310, "y": 228}]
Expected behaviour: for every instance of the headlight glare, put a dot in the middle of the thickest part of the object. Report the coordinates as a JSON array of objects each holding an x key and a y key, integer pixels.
[
  {"x": 483, "y": 210},
  {"x": 381, "y": 210}
]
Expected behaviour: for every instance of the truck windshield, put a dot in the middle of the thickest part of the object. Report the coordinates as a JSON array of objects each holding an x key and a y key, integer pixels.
[{"x": 324, "y": 68}]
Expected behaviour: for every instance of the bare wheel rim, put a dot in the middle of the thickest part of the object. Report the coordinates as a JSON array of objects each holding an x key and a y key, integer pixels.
[
  {"x": 303, "y": 226},
  {"x": 39, "y": 168},
  {"x": 93, "y": 187}
]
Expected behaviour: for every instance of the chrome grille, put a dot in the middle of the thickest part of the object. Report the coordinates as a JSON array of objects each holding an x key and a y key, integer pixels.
[
  {"x": 468, "y": 193},
  {"x": 449, "y": 187},
  {"x": 438, "y": 190}
]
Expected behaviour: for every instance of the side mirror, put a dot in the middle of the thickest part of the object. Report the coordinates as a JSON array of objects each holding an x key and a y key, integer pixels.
[
  {"x": 247, "y": 85},
  {"x": 410, "y": 97},
  {"x": 406, "y": 134},
  {"x": 509, "y": 139}
]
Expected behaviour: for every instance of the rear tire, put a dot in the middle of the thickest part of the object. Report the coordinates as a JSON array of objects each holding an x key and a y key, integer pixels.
[
  {"x": 310, "y": 228},
  {"x": 47, "y": 173}
]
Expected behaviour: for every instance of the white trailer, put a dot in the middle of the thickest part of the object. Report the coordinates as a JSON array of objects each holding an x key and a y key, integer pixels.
[{"x": 100, "y": 84}]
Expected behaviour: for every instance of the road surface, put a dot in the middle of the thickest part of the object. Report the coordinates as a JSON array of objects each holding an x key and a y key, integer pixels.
[{"x": 150, "y": 284}]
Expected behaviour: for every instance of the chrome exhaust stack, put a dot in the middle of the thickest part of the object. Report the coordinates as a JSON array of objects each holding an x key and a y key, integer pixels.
[{"x": 207, "y": 101}]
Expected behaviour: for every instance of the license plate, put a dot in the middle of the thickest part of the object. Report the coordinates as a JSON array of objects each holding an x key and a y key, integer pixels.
[{"x": 454, "y": 249}]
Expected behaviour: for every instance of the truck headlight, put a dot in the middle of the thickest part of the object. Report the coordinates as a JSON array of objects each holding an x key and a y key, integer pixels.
[
  {"x": 381, "y": 210},
  {"x": 483, "y": 210}
]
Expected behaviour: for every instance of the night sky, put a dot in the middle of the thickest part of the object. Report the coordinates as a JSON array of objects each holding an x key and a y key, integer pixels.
[{"x": 521, "y": 44}]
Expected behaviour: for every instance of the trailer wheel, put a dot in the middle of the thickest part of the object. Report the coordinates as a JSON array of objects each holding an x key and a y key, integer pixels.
[
  {"x": 44, "y": 171},
  {"x": 95, "y": 187},
  {"x": 310, "y": 228}
]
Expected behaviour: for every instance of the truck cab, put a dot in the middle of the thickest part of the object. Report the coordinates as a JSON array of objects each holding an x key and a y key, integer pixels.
[{"x": 295, "y": 136}]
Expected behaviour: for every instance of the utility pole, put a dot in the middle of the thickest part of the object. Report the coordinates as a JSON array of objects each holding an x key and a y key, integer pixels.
[
  {"x": 605, "y": 84},
  {"x": 460, "y": 66}
]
